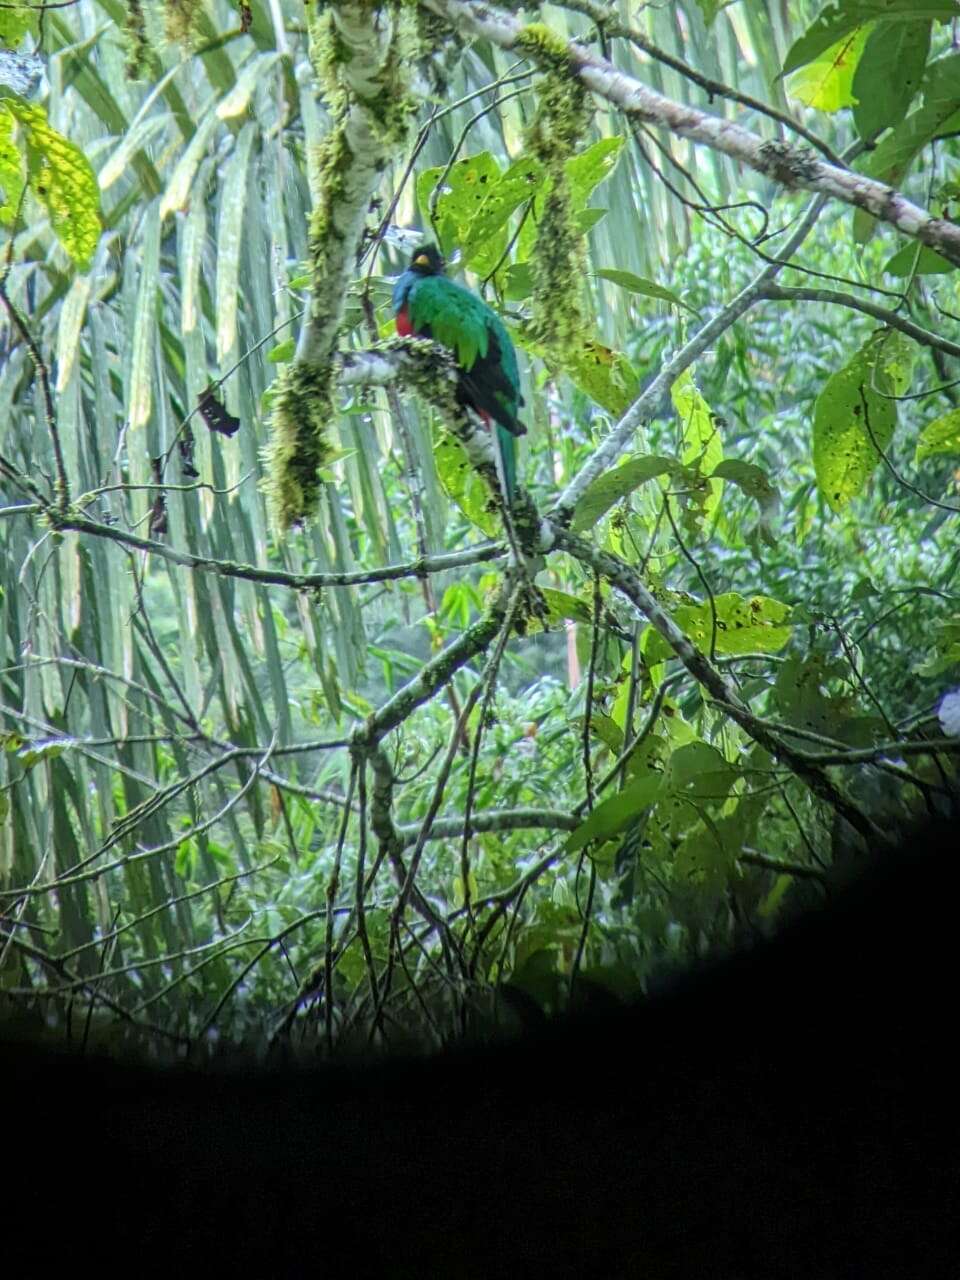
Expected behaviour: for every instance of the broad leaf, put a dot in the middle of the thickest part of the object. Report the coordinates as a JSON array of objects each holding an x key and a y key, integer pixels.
[
  {"x": 614, "y": 814},
  {"x": 757, "y": 624},
  {"x": 888, "y": 74},
  {"x": 854, "y": 418}
]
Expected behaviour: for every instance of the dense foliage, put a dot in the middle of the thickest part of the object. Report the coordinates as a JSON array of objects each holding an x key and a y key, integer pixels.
[{"x": 291, "y": 741}]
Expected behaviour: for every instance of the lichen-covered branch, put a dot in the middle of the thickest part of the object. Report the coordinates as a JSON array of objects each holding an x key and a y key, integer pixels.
[
  {"x": 621, "y": 576},
  {"x": 492, "y": 820},
  {"x": 646, "y": 406},
  {"x": 792, "y": 167},
  {"x": 358, "y": 52}
]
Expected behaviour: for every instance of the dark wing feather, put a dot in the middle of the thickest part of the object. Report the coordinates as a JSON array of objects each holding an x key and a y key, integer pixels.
[{"x": 489, "y": 388}]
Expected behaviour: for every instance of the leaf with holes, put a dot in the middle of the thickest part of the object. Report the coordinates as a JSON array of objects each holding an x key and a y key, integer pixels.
[{"x": 758, "y": 624}]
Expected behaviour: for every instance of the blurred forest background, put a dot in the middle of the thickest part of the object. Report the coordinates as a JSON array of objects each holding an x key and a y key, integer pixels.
[{"x": 287, "y": 755}]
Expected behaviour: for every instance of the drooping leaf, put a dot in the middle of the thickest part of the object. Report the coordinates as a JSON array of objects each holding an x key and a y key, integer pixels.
[
  {"x": 462, "y": 483},
  {"x": 754, "y": 482},
  {"x": 613, "y": 485},
  {"x": 607, "y": 376},
  {"x": 614, "y": 814},
  {"x": 702, "y": 444},
  {"x": 854, "y": 417},
  {"x": 888, "y": 74},
  {"x": 58, "y": 174},
  {"x": 646, "y": 288}
]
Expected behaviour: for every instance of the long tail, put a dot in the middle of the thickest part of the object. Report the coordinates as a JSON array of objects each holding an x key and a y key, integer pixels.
[{"x": 507, "y": 446}]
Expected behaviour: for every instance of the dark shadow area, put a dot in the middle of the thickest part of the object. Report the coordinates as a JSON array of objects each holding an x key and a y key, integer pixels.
[{"x": 790, "y": 1111}]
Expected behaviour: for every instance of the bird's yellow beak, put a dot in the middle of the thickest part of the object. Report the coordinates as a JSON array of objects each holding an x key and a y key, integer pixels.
[{"x": 421, "y": 260}]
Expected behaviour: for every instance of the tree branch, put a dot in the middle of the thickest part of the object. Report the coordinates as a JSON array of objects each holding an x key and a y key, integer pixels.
[{"x": 791, "y": 167}]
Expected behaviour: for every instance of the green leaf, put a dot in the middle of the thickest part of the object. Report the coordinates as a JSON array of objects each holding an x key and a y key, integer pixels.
[
  {"x": 588, "y": 169},
  {"x": 605, "y": 375},
  {"x": 614, "y": 814},
  {"x": 12, "y": 178},
  {"x": 852, "y": 407},
  {"x": 893, "y": 155},
  {"x": 608, "y": 731},
  {"x": 230, "y": 240},
  {"x": 888, "y": 74},
  {"x": 827, "y": 81},
  {"x": 609, "y": 488},
  {"x": 33, "y": 752},
  {"x": 520, "y": 183},
  {"x": 461, "y": 483},
  {"x": 561, "y": 604},
  {"x": 755, "y": 625},
  {"x": 15, "y": 23},
  {"x": 283, "y": 351},
  {"x": 917, "y": 259},
  {"x": 60, "y": 176},
  {"x": 699, "y": 772},
  {"x": 140, "y": 395},
  {"x": 647, "y": 288},
  {"x": 465, "y": 190},
  {"x": 754, "y": 482},
  {"x": 517, "y": 282},
  {"x": 702, "y": 445},
  {"x": 940, "y": 436},
  {"x": 837, "y": 20}
]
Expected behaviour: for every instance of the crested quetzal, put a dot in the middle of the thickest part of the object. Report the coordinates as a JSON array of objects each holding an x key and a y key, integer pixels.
[{"x": 428, "y": 305}]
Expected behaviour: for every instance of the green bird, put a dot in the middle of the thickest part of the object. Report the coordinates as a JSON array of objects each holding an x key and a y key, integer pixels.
[{"x": 428, "y": 305}]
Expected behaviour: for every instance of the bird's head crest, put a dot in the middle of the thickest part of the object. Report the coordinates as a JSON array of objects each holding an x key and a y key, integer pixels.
[{"x": 427, "y": 261}]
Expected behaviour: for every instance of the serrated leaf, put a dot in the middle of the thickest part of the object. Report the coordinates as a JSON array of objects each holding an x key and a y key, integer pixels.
[
  {"x": 612, "y": 486},
  {"x": 614, "y": 814},
  {"x": 757, "y": 624},
  {"x": 940, "y": 436},
  {"x": 647, "y": 288}
]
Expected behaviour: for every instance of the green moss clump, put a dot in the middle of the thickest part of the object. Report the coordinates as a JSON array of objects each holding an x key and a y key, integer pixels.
[
  {"x": 537, "y": 41},
  {"x": 299, "y": 444},
  {"x": 559, "y": 318}
]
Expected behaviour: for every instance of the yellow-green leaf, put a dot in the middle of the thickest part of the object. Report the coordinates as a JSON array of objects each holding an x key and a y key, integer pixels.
[
  {"x": 940, "y": 436},
  {"x": 60, "y": 176},
  {"x": 755, "y": 625}
]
